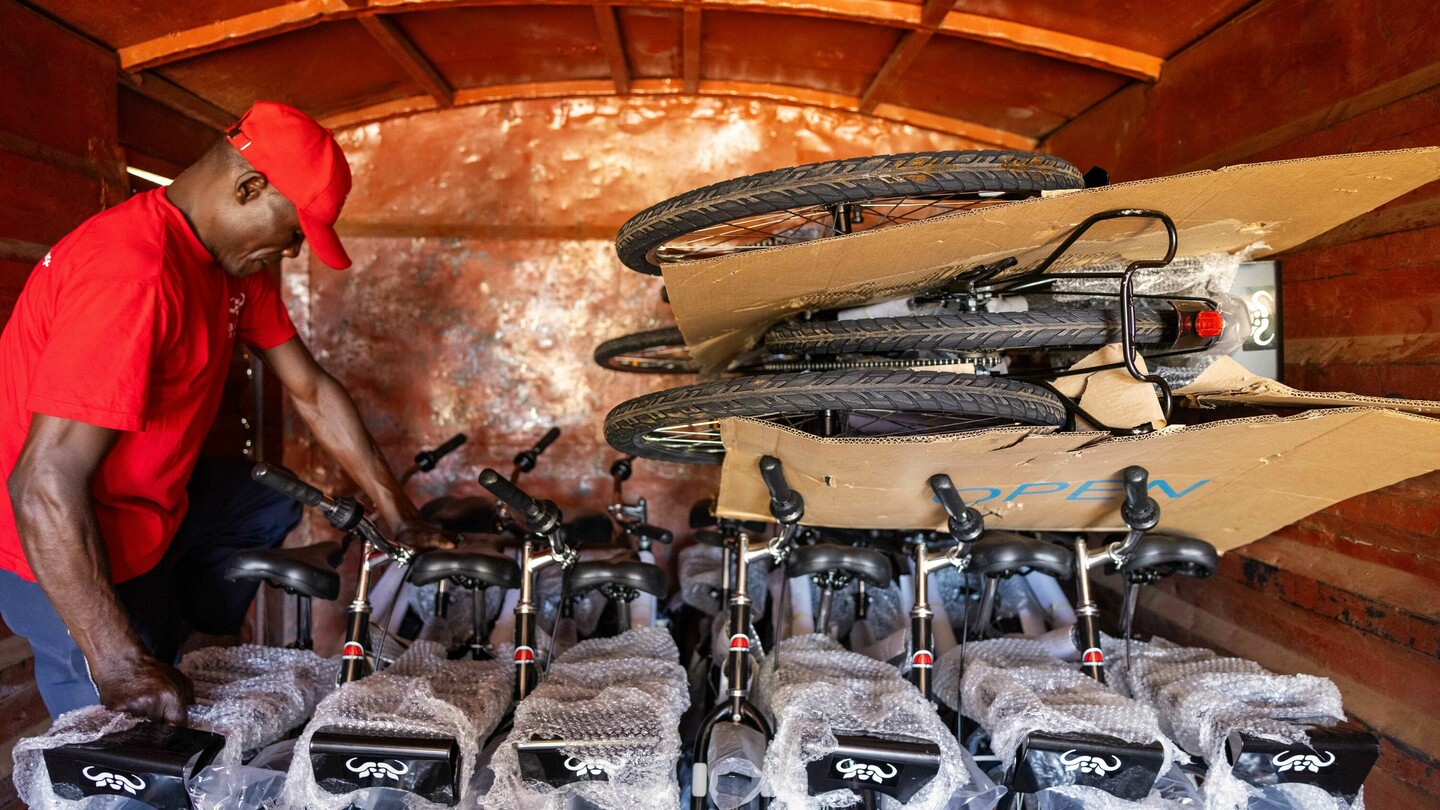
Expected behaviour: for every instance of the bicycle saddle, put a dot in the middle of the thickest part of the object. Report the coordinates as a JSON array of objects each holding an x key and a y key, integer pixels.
[
  {"x": 641, "y": 576},
  {"x": 471, "y": 514},
  {"x": 1158, "y": 555},
  {"x": 469, "y": 568},
  {"x": 307, "y": 571},
  {"x": 866, "y": 563},
  {"x": 702, "y": 513},
  {"x": 1002, "y": 552}
]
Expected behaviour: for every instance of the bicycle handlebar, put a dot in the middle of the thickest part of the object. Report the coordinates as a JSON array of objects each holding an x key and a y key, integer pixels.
[
  {"x": 285, "y": 482},
  {"x": 653, "y": 534},
  {"x": 622, "y": 468},
  {"x": 1139, "y": 511},
  {"x": 427, "y": 459},
  {"x": 966, "y": 523},
  {"x": 541, "y": 516},
  {"x": 785, "y": 503},
  {"x": 525, "y": 462}
]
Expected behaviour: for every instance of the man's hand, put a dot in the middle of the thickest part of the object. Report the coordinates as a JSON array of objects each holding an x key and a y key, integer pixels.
[
  {"x": 423, "y": 537},
  {"x": 146, "y": 688}
]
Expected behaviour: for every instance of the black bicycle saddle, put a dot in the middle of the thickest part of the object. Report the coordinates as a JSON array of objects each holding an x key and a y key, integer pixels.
[
  {"x": 469, "y": 568},
  {"x": 471, "y": 514},
  {"x": 866, "y": 563},
  {"x": 1158, "y": 555},
  {"x": 641, "y": 576},
  {"x": 1002, "y": 552},
  {"x": 308, "y": 571}
]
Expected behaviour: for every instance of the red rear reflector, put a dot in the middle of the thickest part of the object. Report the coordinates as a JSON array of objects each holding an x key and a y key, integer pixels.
[{"x": 1209, "y": 323}]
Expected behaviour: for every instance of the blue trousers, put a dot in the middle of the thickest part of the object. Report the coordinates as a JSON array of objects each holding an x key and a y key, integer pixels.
[{"x": 186, "y": 591}]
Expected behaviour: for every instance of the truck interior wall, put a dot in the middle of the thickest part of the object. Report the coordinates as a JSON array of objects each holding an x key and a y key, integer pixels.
[{"x": 1348, "y": 592}]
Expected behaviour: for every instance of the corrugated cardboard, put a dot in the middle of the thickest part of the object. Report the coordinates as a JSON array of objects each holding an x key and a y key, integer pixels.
[
  {"x": 1226, "y": 482},
  {"x": 724, "y": 304}
]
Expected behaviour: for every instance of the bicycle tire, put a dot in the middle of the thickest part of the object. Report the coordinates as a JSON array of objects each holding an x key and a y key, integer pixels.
[
  {"x": 958, "y": 174},
  {"x": 657, "y": 351},
  {"x": 967, "y": 331},
  {"x": 680, "y": 424}
]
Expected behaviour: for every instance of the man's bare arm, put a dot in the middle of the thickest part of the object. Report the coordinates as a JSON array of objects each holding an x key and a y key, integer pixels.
[
  {"x": 50, "y": 491},
  {"x": 327, "y": 408}
]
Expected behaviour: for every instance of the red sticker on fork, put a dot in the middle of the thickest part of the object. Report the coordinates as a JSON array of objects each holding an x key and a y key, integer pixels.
[
  {"x": 352, "y": 651},
  {"x": 524, "y": 654},
  {"x": 739, "y": 641},
  {"x": 923, "y": 659},
  {"x": 1093, "y": 657}
]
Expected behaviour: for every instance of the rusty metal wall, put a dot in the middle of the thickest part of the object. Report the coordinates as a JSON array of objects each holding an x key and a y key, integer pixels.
[{"x": 485, "y": 274}]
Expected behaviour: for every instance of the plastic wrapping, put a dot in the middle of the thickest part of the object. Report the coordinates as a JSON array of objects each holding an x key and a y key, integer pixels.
[
  {"x": 1012, "y": 687},
  {"x": 736, "y": 765},
  {"x": 250, "y": 694},
  {"x": 622, "y": 698},
  {"x": 423, "y": 694},
  {"x": 700, "y": 578},
  {"x": 818, "y": 690},
  {"x": 1201, "y": 697}
]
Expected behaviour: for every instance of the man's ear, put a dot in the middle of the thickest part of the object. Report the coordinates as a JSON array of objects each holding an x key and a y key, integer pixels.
[{"x": 249, "y": 187}]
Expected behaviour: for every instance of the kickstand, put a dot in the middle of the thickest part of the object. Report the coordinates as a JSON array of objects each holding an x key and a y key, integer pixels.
[{"x": 1127, "y": 618}]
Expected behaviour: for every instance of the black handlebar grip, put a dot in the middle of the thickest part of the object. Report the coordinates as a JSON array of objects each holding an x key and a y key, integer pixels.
[
  {"x": 525, "y": 460},
  {"x": 427, "y": 459},
  {"x": 1140, "y": 511},
  {"x": 284, "y": 482},
  {"x": 966, "y": 524},
  {"x": 622, "y": 468},
  {"x": 654, "y": 534},
  {"x": 542, "y": 517},
  {"x": 785, "y": 503}
]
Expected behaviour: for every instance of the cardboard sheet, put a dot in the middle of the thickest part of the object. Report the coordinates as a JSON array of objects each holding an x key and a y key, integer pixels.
[
  {"x": 724, "y": 304},
  {"x": 1226, "y": 482},
  {"x": 1229, "y": 383}
]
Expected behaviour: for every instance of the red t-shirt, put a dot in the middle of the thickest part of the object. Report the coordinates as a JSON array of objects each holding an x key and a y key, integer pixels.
[{"x": 128, "y": 323}]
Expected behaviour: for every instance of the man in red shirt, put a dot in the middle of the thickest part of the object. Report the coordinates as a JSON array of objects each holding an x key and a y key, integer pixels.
[{"x": 111, "y": 372}]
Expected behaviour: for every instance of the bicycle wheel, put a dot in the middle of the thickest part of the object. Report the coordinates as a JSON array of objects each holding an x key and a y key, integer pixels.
[
  {"x": 681, "y": 424},
  {"x": 968, "y": 331},
  {"x": 800, "y": 204},
  {"x": 658, "y": 351}
]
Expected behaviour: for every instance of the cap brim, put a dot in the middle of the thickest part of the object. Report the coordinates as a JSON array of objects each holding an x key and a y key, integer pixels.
[{"x": 324, "y": 242}]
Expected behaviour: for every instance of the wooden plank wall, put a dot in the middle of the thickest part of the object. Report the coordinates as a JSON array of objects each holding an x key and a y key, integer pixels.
[{"x": 1349, "y": 592}]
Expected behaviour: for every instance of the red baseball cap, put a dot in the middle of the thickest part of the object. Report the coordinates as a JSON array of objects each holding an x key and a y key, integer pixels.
[{"x": 302, "y": 161}]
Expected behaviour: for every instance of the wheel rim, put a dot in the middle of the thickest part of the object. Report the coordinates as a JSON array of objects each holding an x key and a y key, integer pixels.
[
  {"x": 702, "y": 438},
  {"x": 655, "y": 358},
  {"x": 807, "y": 223}
]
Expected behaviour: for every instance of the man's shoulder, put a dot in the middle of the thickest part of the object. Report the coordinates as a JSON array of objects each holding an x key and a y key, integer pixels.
[{"x": 126, "y": 242}]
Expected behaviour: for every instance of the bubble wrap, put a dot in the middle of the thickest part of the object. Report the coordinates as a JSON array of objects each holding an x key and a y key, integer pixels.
[
  {"x": 1201, "y": 697},
  {"x": 422, "y": 694},
  {"x": 250, "y": 694},
  {"x": 1013, "y": 687},
  {"x": 700, "y": 577},
  {"x": 820, "y": 689},
  {"x": 1206, "y": 275},
  {"x": 628, "y": 689},
  {"x": 254, "y": 695}
]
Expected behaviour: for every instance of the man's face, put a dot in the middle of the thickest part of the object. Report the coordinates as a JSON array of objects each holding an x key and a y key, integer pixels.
[{"x": 261, "y": 228}]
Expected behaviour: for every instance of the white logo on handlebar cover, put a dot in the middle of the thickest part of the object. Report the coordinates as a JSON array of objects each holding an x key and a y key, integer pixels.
[
  {"x": 114, "y": 781},
  {"x": 378, "y": 770},
  {"x": 864, "y": 771},
  {"x": 589, "y": 767},
  {"x": 1302, "y": 762},
  {"x": 1088, "y": 764}
]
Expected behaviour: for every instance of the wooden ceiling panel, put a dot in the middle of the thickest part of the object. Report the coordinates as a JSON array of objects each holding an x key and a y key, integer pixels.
[
  {"x": 321, "y": 69},
  {"x": 653, "y": 38},
  {"x": 1159, "y": 29},
  {"x": 831, "y": 56},
  {"x": 118, "y": 23},
  {"x": 1009, "y": 90},
  {"x": 480, "y": 47}
]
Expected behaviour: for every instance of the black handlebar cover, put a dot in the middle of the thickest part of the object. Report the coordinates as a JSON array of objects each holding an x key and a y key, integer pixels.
[
  {"x": 525, "y": 461},
  {"x": 1139, "y": 511},
  {"x": 622, "y": 468},
  {"x": 785, "y": 503},
  {"x": 283, "y": 481},
  {"x": 966, "y": 523},
  {"x": 541, "y": 516},
  {"x": 427, "y": 459},
  {"x": 548, "y": 439}
]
